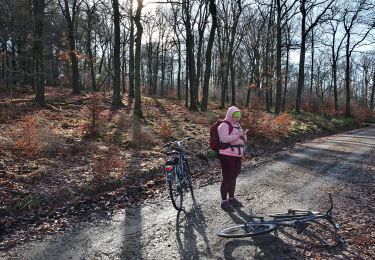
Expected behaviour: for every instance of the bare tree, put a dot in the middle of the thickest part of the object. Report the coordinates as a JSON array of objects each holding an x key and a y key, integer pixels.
[
  {"x": 177, "y": 43},
  {"x": 351, "y": 19},
  {"x": 321, "y": 78},
  {"x": 307, "y": 9},
  {"x": 282, "y": 10},
  {"x": 207, "y": 72},
  {"x": 190, "y": 43},
  {"x": 230, "y": 13},
  {"x": 90, "y": 12},
  {"x": 289, "y": 46},
  {"x": 335, "y": 49},
  {"x": 70, "y": 12}
]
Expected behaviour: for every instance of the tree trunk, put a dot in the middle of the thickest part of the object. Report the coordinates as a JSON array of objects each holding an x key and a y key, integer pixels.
[
  {"x": 70, "y": 17},
  {"x": 199, "y": 65},
  {"x": 131, "y": 52},
  {"x": 74, "y": 61},
  {"x": 116, "y": 91},
  {"x": 268, "y": 100},
  {"x": 278, "y": 59},
  {"x": 248, "y": 95},
  {"x": 137, "y": 61},
  {"x": 347, "y": 77},
  {"x": 372, "y": 92},
  {"x": 334, "y": 72},
  {"x": 211, "y": 39},
  {"x": 268, "y": 59},
  {"x": 149, "y": 64},
  {"x": 190, "y": 58},
  {"x": 312, "y": 64},
  {"x": 179, "y": 73},
  {"x": 283, "y": 106},
  {"x": 39, "y": 6},
  {"x": 301, "y": 71},
  {"x": 162, "y": 69},
  {"x": 155, "y": 68},
  {"x": 123, "y": 77},
  {"x": 233, "y": 83},
  {"x": 210, "y": 43},
  {"x": 89, "y": 50}
]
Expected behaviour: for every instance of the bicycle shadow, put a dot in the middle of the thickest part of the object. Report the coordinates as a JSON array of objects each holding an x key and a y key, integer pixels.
[
  {"x": 189, "y": 228},
  {"x": 325, "y": 238},
  {"x": 268, "y": 246}
]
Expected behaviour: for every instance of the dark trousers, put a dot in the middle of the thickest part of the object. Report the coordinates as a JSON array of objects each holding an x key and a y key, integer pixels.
[{"x": 230, "y": 167}]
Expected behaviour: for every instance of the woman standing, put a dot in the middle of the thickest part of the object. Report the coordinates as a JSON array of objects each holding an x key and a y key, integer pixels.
[{"x": 232, "y": 139}]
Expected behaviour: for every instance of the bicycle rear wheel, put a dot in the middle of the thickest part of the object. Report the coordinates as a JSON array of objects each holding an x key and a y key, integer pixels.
[
  {"x": 176, "y": 192},
  {"x": 246, "y": 230}
]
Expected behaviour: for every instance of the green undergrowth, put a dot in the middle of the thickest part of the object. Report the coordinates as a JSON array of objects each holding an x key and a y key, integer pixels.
[{"x": 306, "y": 122}]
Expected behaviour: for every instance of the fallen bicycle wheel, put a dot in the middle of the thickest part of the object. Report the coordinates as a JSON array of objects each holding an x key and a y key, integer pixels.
[{"x": 246, "y": 230}]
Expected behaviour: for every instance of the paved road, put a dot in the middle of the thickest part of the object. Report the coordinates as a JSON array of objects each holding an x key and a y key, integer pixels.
[{"x": 299, "y": 178}]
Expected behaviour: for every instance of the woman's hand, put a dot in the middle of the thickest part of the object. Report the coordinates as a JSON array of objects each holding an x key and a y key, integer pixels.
[{"x": 243, "y": 136}]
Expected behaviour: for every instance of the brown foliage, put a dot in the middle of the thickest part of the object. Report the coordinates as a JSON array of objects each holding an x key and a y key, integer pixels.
[
  {"x": 105, "y": 166},
  {"x": 266, "y": 125},
  {"x": 26, "y": 136},
  {"x": 361, "y": 113},
  {"x": 166, "y": 131},
  {"x": 282, "y": 123},
  {"x": 94, "y": 111},
  {"x": 141, "y": 136}
]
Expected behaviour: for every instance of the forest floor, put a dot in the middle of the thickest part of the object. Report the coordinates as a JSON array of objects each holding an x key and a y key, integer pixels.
[{"x": 57, "y": 168}]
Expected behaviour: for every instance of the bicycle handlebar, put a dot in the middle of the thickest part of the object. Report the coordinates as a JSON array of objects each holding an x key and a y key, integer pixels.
[{"x": 179, "y": 143}]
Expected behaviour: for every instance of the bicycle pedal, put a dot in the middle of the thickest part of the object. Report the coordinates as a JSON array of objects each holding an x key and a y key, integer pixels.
[{"x": 300, "y": 226}]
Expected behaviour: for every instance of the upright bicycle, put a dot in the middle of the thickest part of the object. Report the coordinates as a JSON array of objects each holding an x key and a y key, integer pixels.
[
  {"x": 177, "y": 172},
  {"x": 298, "y": 219}
]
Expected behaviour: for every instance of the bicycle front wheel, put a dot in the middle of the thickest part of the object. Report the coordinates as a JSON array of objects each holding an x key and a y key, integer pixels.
[
  {"x": 175, "y": 192},
  {"x": 246, "y": 230},
  {"x": 188, "y": 177}
]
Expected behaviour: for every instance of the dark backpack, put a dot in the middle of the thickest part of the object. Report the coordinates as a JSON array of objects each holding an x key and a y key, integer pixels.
[{"x": 214, "y": 135}]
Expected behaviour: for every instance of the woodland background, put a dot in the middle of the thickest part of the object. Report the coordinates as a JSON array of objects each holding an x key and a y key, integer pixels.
[
  {"x": 229, "y": 51},
  {"x": 90, "y": 90}
]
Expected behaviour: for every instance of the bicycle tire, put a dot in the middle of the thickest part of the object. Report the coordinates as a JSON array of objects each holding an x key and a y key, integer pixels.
[
  {"x": 246, "y": 230},
  {"x": 188, "y": 177},
  {"x": 175, "y": 192}
]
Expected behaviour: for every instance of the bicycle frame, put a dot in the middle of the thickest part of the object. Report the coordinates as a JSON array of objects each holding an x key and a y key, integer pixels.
[
  {"x": 298, "y": 219},
  {"x": 178, "y": 178},
  {"x": 181, "y": 172}
]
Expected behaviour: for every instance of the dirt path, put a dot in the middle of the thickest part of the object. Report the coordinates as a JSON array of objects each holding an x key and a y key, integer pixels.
[{"x": 300, "y": 178}]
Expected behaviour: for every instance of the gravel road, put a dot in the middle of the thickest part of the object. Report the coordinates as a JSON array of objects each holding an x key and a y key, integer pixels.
[{"x": 301, "y": 177}]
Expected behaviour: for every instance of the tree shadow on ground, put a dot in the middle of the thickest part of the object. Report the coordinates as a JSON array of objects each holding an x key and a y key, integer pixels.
[
  {"x": 190, "y": 227},
  {"x": 131, "y": 245}
]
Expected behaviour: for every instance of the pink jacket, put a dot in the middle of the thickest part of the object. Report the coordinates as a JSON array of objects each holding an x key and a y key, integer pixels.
[{"x": 234, "y": 138}]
